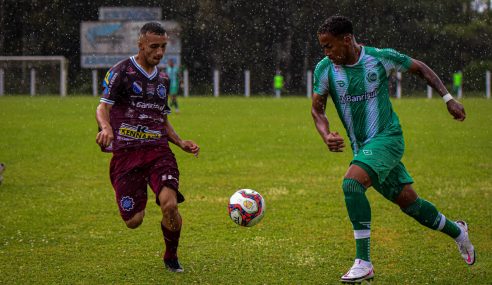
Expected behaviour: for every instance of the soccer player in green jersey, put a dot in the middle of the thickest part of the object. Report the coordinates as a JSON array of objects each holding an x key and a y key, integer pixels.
[
  {"x": 173, "y": 73},
  {"x": 356, "y": 79}
]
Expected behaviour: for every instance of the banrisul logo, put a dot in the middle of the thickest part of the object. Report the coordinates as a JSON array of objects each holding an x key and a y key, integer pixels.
[
  {"x": 341, "y": 83},
  {"x": 371, "y": 76}
]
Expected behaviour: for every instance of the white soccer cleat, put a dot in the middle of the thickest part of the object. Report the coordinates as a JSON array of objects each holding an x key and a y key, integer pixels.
[
  {"x": 464, "y": 245},
  {"x": 360, "y": 271}
]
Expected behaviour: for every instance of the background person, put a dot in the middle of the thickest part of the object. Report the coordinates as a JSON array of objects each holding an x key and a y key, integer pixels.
[
  {"x": 457, "y": 82},
  {"x": 278, "y": 83},
  {"x": 173, "y": 73}
]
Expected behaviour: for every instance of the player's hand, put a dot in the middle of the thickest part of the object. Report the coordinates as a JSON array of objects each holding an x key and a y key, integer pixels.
[
  {"x": 105, "y": 137},
  {"x": 334, "y": 142},
  {"x": 456, "y": 110},
  {"x": 191, "y": 147}
]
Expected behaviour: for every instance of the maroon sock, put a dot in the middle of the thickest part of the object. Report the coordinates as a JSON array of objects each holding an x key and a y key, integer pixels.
[{"x": 171, "y": 239}]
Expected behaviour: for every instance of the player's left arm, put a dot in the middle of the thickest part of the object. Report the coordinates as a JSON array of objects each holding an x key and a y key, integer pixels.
[
  {"x": 419, "y": 68},
  {"x": 185, "y": 145}
]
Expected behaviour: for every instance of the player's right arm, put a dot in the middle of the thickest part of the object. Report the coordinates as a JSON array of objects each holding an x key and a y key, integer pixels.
[
  {"x": 333, "y": 140},
  {"x": 112, "y": 87},
  {"x": 105, "y": 137}
]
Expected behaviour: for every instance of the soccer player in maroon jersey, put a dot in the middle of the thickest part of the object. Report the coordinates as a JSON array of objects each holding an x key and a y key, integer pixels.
[{"x": 133, "y": 123}]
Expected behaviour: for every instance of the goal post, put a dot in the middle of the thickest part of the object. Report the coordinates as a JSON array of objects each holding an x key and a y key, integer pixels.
[{"x": 38, "y": 74}]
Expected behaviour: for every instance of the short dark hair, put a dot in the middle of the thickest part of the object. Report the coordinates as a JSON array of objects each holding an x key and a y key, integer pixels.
[
  {"x": 153, "y": 28},
  {"x": 336, "y": 25}
]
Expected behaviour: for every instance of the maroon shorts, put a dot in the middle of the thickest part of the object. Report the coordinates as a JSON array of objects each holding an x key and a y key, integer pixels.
[{"x": 131, "y": 171}]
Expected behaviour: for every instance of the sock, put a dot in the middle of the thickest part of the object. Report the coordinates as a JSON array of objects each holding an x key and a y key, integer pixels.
[
  {"x": 450, "y": 228},
  {"x": 427, "y": 214},
  {"x": 171, "y": 239},
  {"x": 359, "y": 212},
  {"x": 362, "y": 249}
]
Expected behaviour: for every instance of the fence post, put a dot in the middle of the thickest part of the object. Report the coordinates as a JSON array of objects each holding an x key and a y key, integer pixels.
[
  {"x": 309, "y": 83},
  {"x": 94, "y": 82},
  {"x": 429, "y": 92},
  {"x": 2, "y": 85},
  {"x": 487, "y": 82},
  {"x": 186, "y": 83},
  {"x": 63, "y": 77},
  {"x": 247, "y": 87},
  {"x": 216, "y": 83},
  {"x": 398, "y": 85},
  {"x": 33, "y": 82}
]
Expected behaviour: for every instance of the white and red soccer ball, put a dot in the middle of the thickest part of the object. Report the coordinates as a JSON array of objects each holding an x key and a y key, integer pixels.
[{"x": 246, "y": 207}]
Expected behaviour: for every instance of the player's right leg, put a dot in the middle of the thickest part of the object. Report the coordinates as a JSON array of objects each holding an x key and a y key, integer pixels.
[
  {"x": 354, "y": 186},
  {"x": 136, "y": 220},
  {"x": 130, "y": 187}
]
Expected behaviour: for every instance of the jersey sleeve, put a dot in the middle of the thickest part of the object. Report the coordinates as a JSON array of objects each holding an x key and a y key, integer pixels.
[
  {"x": 321, "y": 82},
  {"x": 111, "y": 86},
  {"x": 393, "y": 60}
]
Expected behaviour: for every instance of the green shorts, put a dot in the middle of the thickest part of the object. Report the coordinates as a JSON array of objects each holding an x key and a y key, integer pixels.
[{"x": 381, "y": 159}]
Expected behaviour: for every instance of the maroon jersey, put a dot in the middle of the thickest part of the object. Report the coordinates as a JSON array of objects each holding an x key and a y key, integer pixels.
[{"x": 139, "y": 104}]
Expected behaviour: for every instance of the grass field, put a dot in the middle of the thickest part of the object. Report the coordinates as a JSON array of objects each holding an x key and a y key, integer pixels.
[{"x": 59, "y": 222}]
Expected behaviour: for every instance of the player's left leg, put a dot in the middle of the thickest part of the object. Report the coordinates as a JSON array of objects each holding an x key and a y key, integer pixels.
[
  {"x": 428, "y": 215},
  {"x": 174, "y": 102},
  {"x": 164, "y": 181},
  {"x": 171, "y": 227}
]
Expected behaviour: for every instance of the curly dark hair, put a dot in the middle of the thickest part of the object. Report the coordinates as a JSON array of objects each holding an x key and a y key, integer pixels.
[
  {"x": 336, "y": 25},
  {"x": 153, "y": 28}
]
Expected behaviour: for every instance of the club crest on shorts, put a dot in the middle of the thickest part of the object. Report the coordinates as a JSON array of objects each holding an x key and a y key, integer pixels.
[{"x": 127, "y": 203}]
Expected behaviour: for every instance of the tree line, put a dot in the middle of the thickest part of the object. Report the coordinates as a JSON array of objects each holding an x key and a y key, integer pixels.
[{"x": 265, "y": 36}]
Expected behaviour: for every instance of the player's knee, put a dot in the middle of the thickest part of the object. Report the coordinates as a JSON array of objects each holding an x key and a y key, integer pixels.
[
  {"x": 135, "y": 221},
  {"x": 412, "y": 209},
  {"x": 352, "y": 187},
  {"x": 169, "y": 209},
  {"x": 407, "y": 197},
  {"x": 354, "y": 192}
]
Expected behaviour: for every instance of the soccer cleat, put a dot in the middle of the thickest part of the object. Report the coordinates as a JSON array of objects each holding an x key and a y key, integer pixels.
[
  {"x": 173, "y": 265},
  {"x": 464, "y": 245},
  {"x": 359, "y": 272}
]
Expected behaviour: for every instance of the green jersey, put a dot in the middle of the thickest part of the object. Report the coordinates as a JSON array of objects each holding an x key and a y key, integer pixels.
[{"x": 360, "y": 93}]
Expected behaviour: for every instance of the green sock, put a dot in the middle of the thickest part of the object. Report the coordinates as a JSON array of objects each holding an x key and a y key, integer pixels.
[
  {"x": 427, "y": 214},
  {"x": 359, "y": 212},
  {"x": 424, "y": 212},
  {"x": 450, "y": 228},
  {"x": 363, "y": 249}
]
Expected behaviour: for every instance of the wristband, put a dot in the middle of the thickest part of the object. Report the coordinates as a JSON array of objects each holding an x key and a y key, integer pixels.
[{"x": 447, "y": 97}]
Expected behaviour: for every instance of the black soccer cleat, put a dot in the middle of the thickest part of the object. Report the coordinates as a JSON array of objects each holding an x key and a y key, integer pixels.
[{"x": 173, "y": 265}]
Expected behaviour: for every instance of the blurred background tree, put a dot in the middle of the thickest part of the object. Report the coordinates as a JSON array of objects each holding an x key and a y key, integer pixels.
[{"x": 263, "y": 36}]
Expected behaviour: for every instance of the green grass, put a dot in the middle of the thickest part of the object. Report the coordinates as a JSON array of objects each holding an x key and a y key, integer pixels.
[{"x": 59, "y": 222}]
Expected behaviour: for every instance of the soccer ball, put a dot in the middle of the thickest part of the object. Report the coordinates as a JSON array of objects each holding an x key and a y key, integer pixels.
[{"x": 246, "y": 207}]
